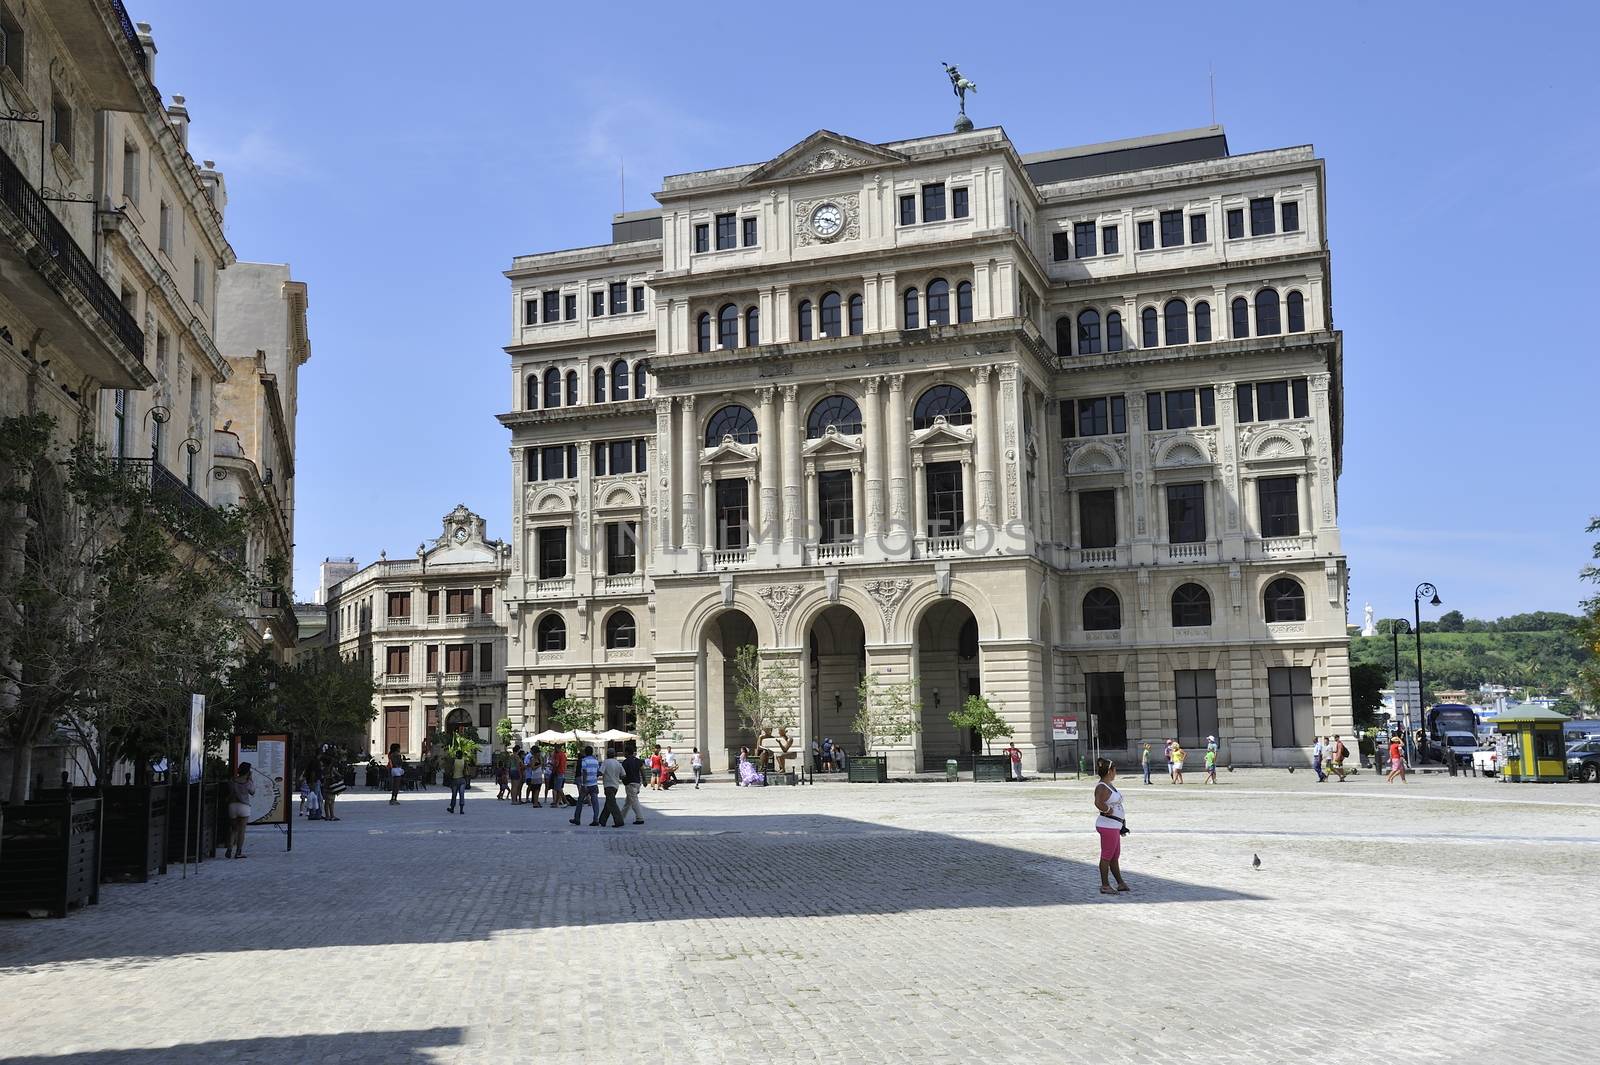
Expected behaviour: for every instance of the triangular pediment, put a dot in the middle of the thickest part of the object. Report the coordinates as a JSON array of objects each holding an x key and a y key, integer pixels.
[
  {"x": 832, "y": 443},
  {"x": 824, "y": 152},
  {"x": 730, "y": 449},
  {"x": 941, "y": 431}
]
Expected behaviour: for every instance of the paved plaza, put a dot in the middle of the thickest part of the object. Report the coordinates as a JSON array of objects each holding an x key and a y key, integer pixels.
[{"x": 1444, "y": 920}]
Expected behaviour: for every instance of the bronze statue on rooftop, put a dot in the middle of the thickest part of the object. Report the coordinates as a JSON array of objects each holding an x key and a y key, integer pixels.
[{"x": 960, "y": 85}]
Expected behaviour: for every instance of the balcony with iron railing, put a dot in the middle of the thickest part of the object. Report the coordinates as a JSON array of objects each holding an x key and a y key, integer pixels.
[
  {"x": 278, "y": 611},
  {"x": 166, "y": 488}
]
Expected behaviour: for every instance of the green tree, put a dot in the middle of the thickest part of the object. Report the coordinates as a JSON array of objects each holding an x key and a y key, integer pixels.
[
  {"x": 1587, "y": 629},
  {"x": 317, "y": 700},
  {"x": 764, "y": 694},
  {"x": 652, "y": 718},
  {"x": 889, "y": 712},
  {"x": 506, "y": 732},
  {"x": 570, "y": 714},
  {"x": 1367, "y": 682},
  {"x": 979, "y": 715},
  {"x": 1451, "y": 621}
]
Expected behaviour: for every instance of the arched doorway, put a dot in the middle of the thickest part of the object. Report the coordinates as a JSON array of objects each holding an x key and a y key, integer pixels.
[
  {"x": 836, "y": 660},
  {"x": 948, "y": 670},
  {"x": 719, "y": 724},
  {"x": 459, "y": 720}
]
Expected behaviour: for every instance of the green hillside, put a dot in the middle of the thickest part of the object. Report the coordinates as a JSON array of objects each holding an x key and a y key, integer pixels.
[{"x": 1546, "y": 661}]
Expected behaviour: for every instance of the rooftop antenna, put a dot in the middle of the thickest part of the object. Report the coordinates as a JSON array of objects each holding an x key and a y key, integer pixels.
[{"x": 1211, "y": 67}]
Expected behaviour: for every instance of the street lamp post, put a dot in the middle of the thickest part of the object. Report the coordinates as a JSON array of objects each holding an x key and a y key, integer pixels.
[{"x": 1423, "y": 589}]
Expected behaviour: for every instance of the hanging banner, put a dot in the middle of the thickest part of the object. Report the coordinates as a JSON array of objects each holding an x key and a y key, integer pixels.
[
  {"x": 268, "y": 756},
  {"x": 197, "y": 738}
]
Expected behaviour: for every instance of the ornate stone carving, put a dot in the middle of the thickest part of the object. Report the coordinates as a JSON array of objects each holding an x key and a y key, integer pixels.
[
  {"x": 803, "y": 235},
  {"x": 780, "y": 599},
  {"x": 887, "y": 593},
  {"x": 830, "y": 159}
]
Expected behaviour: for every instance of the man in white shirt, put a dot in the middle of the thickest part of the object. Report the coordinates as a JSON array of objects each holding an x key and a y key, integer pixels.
[
  {"x": 1316, "y": 759},
  {"x": 670, "y": 761}
]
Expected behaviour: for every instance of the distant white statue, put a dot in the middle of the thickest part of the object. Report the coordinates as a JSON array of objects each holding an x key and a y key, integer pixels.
[{"x": 1367, "y": 627}]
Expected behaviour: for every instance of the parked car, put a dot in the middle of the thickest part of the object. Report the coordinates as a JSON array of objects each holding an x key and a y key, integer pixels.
[
  {"x": 1583, "y": 761},
  {"x": 1486, "y": 761}
]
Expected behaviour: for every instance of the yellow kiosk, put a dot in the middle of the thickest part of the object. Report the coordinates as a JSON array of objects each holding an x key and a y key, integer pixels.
[{"x": 1533, "y": 745}]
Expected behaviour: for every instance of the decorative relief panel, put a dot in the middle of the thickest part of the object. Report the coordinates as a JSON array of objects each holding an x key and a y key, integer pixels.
[
  {"x": 887, "y": 593},
  {"x": 780, "y": 599},
  {"x": 803, "y": 235}
]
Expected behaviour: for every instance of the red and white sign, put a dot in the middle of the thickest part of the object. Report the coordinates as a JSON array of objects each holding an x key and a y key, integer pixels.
[{"x": 1064, "y": 727}]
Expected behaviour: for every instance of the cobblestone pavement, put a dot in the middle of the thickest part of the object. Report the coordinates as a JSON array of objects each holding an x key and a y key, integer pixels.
[{"x": 1438, "y": 921}]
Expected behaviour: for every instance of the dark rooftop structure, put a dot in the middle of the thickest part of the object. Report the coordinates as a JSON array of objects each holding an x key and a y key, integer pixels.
[{"x": 1137, "y": 153}]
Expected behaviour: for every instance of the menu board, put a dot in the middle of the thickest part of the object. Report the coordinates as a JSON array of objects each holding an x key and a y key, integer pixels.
[{"x": 268, "y": 756}]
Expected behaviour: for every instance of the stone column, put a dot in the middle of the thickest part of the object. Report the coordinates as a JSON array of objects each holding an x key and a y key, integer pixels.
[
  {"x": 789, "y": 444},
  {"x": 708, "y": 507},
  {"x": 663, "y": 531},
  {"x": 919, "y": 510},
  {"x": 750, "y": 492},
  {"x": 766, "y": 421},
  {"x": 856, "y": 477},
  {"x": 872, "y": 444},
  {"x": 1303, "y": 491},
  {"x": 895, "y": 443},
  {"x": 812, "y": 510},
  {"x": 983, "y": 428},
  {"x": 969, "y": 494},
  {"x": 689, "y": 476}
]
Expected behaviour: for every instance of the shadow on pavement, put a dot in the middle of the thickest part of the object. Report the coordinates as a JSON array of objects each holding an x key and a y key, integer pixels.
[
  {"x": 402, "y": 1047},
  {"x": 437, "y": 879}
]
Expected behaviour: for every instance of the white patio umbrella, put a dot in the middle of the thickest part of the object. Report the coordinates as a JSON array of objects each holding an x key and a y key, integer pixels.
[
  {"x": 551, "y": 736},
  {"x": 615, "y": 735}
]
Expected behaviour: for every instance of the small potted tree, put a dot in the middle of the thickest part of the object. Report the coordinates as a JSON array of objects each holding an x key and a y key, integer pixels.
[
  {"x": 652, "y": 719},
  {"x": 979, "y": 715},
  {"x": 764, "y": 693},
  {"x": 889, "y": 714}
]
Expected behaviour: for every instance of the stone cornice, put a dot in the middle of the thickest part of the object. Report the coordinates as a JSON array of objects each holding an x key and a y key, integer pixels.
[
  {"x": 1183, "y": 276},
  {"x": 1325, "y": 340},
  {"x": 583, "y": 412}
]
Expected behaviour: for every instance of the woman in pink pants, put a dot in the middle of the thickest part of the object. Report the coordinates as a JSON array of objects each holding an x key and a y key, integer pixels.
[{"x": 1110, "y": 825}]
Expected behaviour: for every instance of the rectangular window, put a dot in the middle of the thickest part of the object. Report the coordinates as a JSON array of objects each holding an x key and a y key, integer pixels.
[
  {"x": 399, "y": 604},
  {"x": 1147, "y": 235},
  {"x": 908, "y": 210},
  {"x": 1181, "y": 412},
  {"x": 458, "y": 601},
  {"x": 1261, "y": 216},
  {"x": 727, "y": 230},
  {"x": 1109, "y": 708},
  {"x": 486, "y": 715},
  {"x": 486, "y": 602},
  {"x": 1197, "y": 229},
  {"x": 1279, "y": 499},
  {"x": 1153, "y": 410},
  {"x": 733, "y": 513},
  {"x": 486, "y": 658},
  {"x": 619, "y": 297},
  {"x": 1242, "y": 395},
  {"x": 458, "y": 658},
  {"x": 397, "y": 661},
  {"x": 622, "y": 554},
  {"x": 130, "y": 173},
  {"x": 1083, "y": 239},
  {"x": 433, "y": 659},
  {"x": 1097, "y": 518},
  {"x": 1108, "y": 240},
  {"x": 1302, "y": 400},
  {"x": 597, "y": 303},
  {"x": 1094, "y": 417},
  {"x": 638, "y": 298},
  {"x": 1186, "y": 513},
  {"x": 933, "y": 202},
  {"x": 569, "y": 307},
  {"x": 702, "y": 237},
  {"x": 958, "y": 203},
  {"x": 749, "y": 236},
  {"x": 199, "y": 283},
  {"x": 1208, "y": 406},
  {"x": 946, "y": 502},
  {"x": 552, "y": 306},
  {"x": 835, "y": 509},
  {"x": 1171, "y": 228},
  {"x": 397, "y": 727},
  {"x": 530, "y": 312},
  {"x": 1289, "y": 695},
  {"x": 11, "y": 38},
  {"x": 164, "y": 233},
  {"x": 1291, "y": 217},
  {"x": 1069, "y": 419},
  {"x": 1235, "y": 223},
  {"x": 552, "y": 545},
  {"x": 433, "y": 604},
  {"x": 61, "y": 123},
  {"x": 1272, "y": 400},
  {"x": 1060, "y": 246},
  {"x": 1197, "y": 705}
]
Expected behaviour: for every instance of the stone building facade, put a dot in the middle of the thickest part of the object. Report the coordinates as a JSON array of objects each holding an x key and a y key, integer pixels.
[
  {"x": 433, "y": 630},
  {"x": 1060, "y": 429}
]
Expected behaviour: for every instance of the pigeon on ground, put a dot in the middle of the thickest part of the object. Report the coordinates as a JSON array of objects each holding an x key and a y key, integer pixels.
[{"x": 1255, "y": 861}]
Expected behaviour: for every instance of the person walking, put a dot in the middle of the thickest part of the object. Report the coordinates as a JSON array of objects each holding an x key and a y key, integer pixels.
[
  {"x": 654, "y": 762},
  {"x": 455, "y": 775},
  {"x": 535, "y": 774},
  {"x": 1340, "y": 753},
  {"x": 1170, "y": 775},
  {"x": 559, "y": 779},
  {"x": 502, "y": 779},
  {"x": 611, "y": 776},
  {"x": 1211, "y": 764},
  {"x": 1178, "y": 755},
  {"x": 816, "y": 756},
  {"x": 632, "y": 780},
  {"x": 1014, "y": 760},
  {"x": 1144, "y": 760},
  {"x": 827, "y": 754},
  {"x": 311, "y": 787},
  {"x": 332, "y": 785},
  {"x": 514, "y": 775},
  {"x": 697, "y": 766},
  {"x": 397, "y": 770},
  {"x": 1317, "y": 751},
  {"x": 1111, "y": 824},
  {"x": 1397, "y": 761},
  {"x": 588, "y": 788},
  {"x": 241, "y": 789}
]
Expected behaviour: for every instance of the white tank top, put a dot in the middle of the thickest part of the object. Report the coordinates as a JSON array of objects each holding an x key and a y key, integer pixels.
[{"x": 1114, "y": 805}]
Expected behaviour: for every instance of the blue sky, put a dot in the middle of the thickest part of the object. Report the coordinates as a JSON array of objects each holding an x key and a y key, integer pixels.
[{"x": 399, "y": 154}]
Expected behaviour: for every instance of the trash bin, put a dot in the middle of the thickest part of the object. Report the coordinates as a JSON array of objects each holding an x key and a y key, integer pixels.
[{"x": 950, "y": 769}]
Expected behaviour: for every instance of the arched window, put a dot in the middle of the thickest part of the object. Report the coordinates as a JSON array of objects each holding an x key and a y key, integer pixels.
[
  {"x": 552, "y": 633},
  {"x": 1241, "y": 318},
  {"x": 620, "y": 630},
  {"x": 752, "y": 327},
  {"x": 1267, "y": 321},
  {"x": 912, "y": 318},
  {"x": 552, "y": 387},
  {"x": 703, "y": 331},
  {"x": 572, "y": 388},
  {"x": 831, "y": 324},
  {"x": 530, "y": 392},
  {"x": 1176, "y": 313},
  {"x": 1297, "y": 313},
  {"x": 1102, "y": 610},
  {"x": 946, "y": 401},
  {"x": 1064, "y": 335},
  {"x": 804, "y": 313},
  {"x": 1191, "y": 606},
  {"x": 1089, "y": 333},
  {"x": 728, "y": 326},
  {"x": 1151, "y": 333},
  {"x": 619, "y": 380},
  {"x": 1202, "y": 322},
  {"x": 1113, "y": 331},
  {"x": 599, "y": 385},
  {"x": 938, "y": 302},
  {"x": 964, "y": 302},
  {"x": 858, "y": 315},
  {"x": 733, "y": 420},
  {"x": 834, "y": 412},
  {"x": 641, "y": 383},
  {"x": 1285, "y": 600}
]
